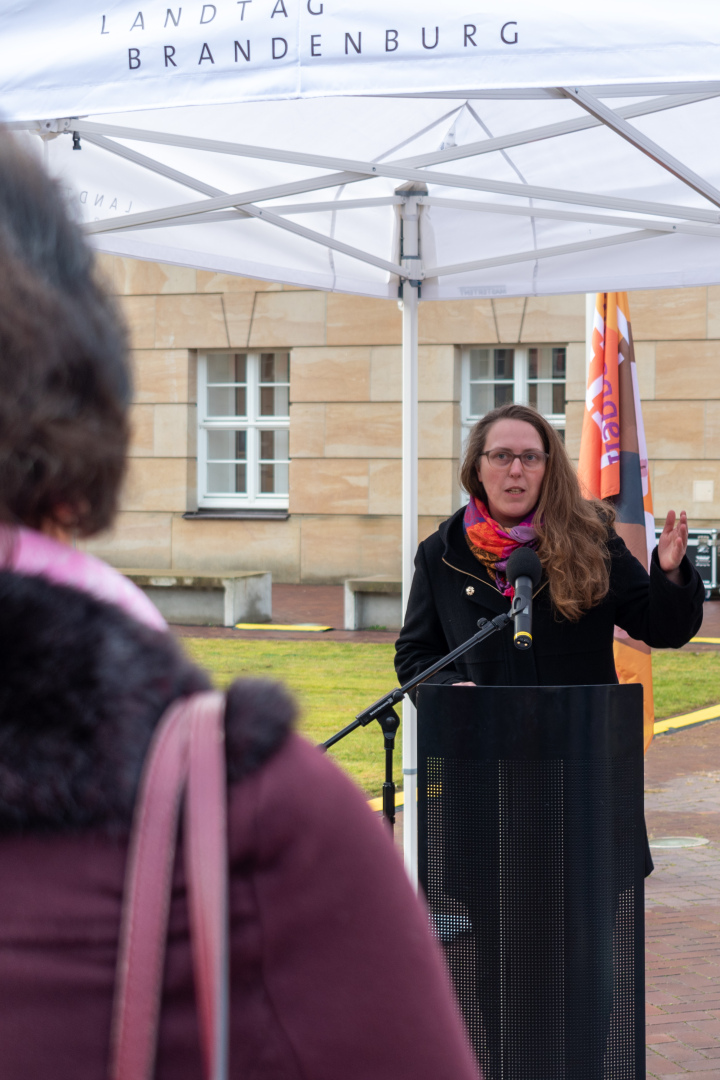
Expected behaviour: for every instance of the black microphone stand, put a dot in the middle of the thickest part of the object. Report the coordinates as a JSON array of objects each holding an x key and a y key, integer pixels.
[{"x": 383, "y": 710}]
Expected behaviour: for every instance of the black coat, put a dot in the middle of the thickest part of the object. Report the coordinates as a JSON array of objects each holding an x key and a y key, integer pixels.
[{"x": 451, "y": 590}]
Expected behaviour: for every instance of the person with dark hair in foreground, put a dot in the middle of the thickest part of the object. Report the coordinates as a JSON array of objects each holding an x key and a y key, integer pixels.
[
  {"x": 333, "y": 972},
  {"x": 524, "y": 493}
]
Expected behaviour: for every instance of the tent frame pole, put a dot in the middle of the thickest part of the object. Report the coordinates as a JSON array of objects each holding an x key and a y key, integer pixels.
[
  {"x": 353, "y": 170},
  {"x": 638, "y": 139},
  {"x": 410, "y": 258},
  {"x": 409, "y": 547}
]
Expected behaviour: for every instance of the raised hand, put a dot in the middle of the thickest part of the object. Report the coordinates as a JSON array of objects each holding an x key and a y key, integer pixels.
[{"x": 672, "y": 544}]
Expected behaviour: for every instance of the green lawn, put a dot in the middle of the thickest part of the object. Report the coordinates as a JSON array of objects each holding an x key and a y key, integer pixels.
[
  {"x": 684, "y": 681},
  {"x": 334, "y": 680}
]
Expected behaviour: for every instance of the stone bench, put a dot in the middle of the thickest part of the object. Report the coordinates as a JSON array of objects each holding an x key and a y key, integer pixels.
[
  {"x": 373, "y": 602},
  {"x": 196, "y": 599}
]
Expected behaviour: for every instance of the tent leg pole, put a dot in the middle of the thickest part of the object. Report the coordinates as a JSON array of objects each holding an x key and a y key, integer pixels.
[{"x": 409, "y": 547}]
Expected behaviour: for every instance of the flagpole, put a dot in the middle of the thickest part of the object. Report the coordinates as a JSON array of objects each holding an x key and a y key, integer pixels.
[{"x": 590, "y": 299}]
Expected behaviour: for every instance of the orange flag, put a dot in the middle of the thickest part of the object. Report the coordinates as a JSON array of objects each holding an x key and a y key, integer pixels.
[{"x": 614, "y": 464}]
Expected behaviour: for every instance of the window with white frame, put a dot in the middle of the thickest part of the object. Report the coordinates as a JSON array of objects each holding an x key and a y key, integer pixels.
[
  {"x": 243, "y": 429},
  {"x": 530, "y": 375}
]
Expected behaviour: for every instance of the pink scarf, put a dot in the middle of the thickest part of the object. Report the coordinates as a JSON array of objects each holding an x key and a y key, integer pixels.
[
  {"x": 29, "y": 552},
  {"x": 492, "y": 545}
]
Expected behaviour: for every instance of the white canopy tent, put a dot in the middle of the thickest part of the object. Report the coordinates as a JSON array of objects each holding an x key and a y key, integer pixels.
[{"x": 384, "y": 150}]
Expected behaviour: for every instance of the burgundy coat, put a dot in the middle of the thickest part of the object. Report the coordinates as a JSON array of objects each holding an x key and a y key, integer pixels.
[{"x": 333, "y": 972}]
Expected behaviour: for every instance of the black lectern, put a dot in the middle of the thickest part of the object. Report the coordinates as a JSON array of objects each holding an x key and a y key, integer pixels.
[{"x": 532, "y": 855}]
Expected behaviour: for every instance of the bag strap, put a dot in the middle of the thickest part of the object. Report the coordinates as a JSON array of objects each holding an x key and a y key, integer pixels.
[
  {"x": 206, "y": 859},
  {"x": 187, "y": 751}
]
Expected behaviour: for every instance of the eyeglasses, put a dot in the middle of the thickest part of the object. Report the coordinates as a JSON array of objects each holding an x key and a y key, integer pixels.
[{"x": 503, "y": 459}]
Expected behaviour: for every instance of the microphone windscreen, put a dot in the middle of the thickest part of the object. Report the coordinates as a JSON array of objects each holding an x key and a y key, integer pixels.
[{"x": 524, "y": 562}]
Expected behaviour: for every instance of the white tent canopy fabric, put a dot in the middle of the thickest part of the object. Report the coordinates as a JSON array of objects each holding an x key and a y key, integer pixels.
[
  {"x": 371, "y": 148},
  {"x": 556, "y": 152},
  {"x": 518, "y": 196},
  {"x": 97, "y": 57}
]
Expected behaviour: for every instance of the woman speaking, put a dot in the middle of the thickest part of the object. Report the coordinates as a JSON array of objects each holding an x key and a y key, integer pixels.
[{"x": 524, "y": 493}]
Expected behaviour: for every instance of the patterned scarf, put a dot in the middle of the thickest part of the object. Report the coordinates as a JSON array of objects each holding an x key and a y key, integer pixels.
[{"x": 492, "y": 545}]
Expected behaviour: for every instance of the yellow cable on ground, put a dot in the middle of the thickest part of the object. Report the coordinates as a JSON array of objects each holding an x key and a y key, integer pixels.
[
  {"x": 675, "y": 723},
  {"x": 376, "y": 804},
  {"x": 306, "y": 628}
]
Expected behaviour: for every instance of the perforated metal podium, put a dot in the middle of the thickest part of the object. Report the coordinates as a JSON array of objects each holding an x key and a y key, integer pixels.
[{"x": 532, "y": 855}]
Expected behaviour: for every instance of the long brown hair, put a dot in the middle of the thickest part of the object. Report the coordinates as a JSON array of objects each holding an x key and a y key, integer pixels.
[{"x": 572, "y": 531}]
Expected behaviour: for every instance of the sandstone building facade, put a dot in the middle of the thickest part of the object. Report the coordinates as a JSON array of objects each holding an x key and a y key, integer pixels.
[{"x": 266, "y": 419}]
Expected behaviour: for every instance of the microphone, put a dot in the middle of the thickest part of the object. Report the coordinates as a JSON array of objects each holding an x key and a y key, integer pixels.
[{"x": 523, "y": 572}]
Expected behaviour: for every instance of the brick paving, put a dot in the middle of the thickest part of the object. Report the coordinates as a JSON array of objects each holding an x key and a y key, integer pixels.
[
  {"x": 324, "y": 604},
  {"x": 682, "y": 793},
  {"x": 682, "y": 904}
]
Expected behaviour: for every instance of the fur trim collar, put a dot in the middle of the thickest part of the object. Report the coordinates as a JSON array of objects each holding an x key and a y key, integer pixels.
[{"x": 82, "y": 687}]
